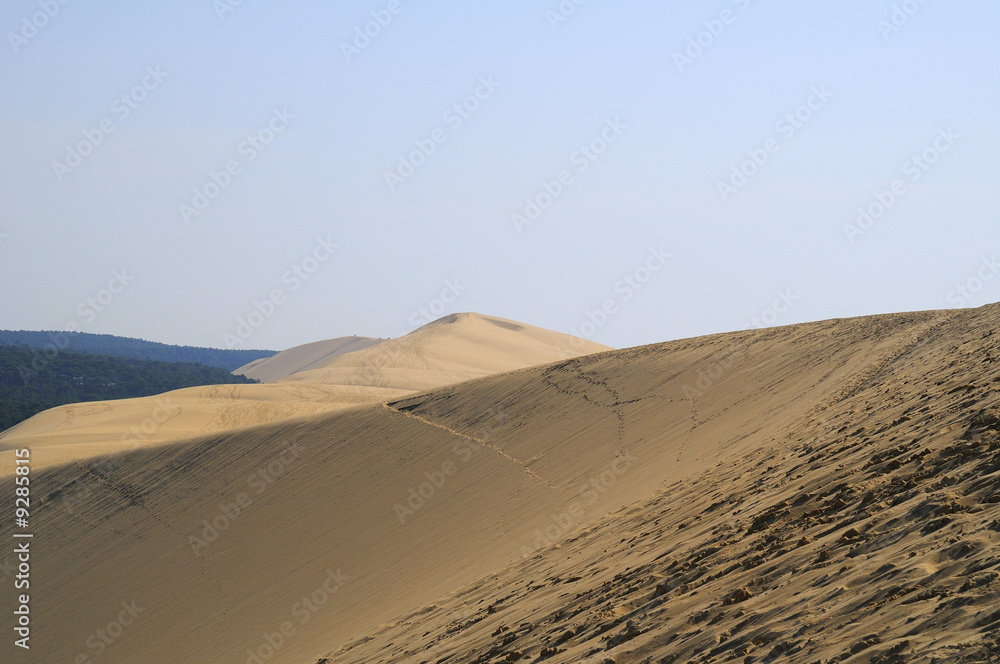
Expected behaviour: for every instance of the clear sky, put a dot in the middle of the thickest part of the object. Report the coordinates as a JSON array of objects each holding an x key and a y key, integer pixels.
[{"x": 689, "y": 167}]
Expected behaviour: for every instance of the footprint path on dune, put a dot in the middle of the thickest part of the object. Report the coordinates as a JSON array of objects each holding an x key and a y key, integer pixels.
[{"x": 524, "y": 466}]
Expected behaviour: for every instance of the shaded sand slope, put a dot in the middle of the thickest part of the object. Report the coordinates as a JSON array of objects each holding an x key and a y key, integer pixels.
[
  {"x": 867, "y": 533},
  {"x": 82, "y": 430},
  {"x": 300, "y": 358},
  {"x": 507, "y": 465},
  {"x": 677, "y": 406},
  {"x": 324, "y": 376}
]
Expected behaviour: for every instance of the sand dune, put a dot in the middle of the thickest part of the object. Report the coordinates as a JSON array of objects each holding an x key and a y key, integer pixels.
[
  {"x": 314, "y": 378},
  {"x": 866, "y": 532},
  {"x": 452, "y": 349},
  {"x": 300, "y": 358},
  {"x": 79, "y": 431},
  {"x": 738, "y": 495}
]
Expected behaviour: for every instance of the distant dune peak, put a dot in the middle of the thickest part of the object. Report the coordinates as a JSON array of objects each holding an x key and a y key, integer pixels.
[
  {"x": 506, "y": 324},
  {"x": 451, "y": 349},
  {"x": 471, "y": 317},
  {"x": 447, "y": 320}
]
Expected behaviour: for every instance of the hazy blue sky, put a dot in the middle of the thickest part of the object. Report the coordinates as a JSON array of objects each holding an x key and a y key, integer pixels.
[{"x": 116, "y": 114}]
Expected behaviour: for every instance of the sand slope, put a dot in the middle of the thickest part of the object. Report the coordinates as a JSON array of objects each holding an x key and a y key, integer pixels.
[
  {"x": 314, "y": 378},
  {"x": 867, "y": 533},
  {"x": 79, "y": 431},
  {"x": 393, "y": 527},
  {"x": 299, "y": 358},
  {"x": 452, "y": 349}
]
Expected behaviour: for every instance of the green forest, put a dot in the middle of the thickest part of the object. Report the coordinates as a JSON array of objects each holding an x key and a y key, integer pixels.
[
  {"x": 33, "y": 380},
  {"x": 136, "y": 349}
]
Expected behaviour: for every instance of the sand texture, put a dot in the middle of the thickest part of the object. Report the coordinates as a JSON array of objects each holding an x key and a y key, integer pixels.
[{"x": 826, "y": 492}]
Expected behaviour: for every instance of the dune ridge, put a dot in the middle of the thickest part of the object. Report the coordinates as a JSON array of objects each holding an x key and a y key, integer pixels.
[
  {"x": 315, "y": 378},
  {"x": 694, "y": 464},
  {"x": 867, "y": 534},
  {"x": 452, "y": 349},
  {"x": 299, "y": 358}
]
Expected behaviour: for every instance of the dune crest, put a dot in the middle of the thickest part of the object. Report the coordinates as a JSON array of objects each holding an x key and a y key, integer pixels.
[
  {"x": 452, "y": 349},
  {"x": 314, "y": 378},
  {"x": 707, "y": 498},
  {"x": 300, "y": 358}
]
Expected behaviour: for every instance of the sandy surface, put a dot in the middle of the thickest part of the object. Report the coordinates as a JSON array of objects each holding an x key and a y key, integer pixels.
[
  {"x": 299, "y": 358},
  {"x": 78, "y": 431},
  {"x": 815, "y": 493},
  {"x": 452, "y": 349},
  {"x": 314, "y": 378},
  {"x": 866, "y": 532}
]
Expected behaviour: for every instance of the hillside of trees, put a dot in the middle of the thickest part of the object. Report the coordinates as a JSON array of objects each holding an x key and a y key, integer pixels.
[
  {"x": 30, "y": 383},
  {"x": 47, "y": 343}
]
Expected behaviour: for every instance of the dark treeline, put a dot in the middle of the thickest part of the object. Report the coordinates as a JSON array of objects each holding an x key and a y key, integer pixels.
[
  {"x": 31, "y": 383},
  {"x": 48, "y": 343}
]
